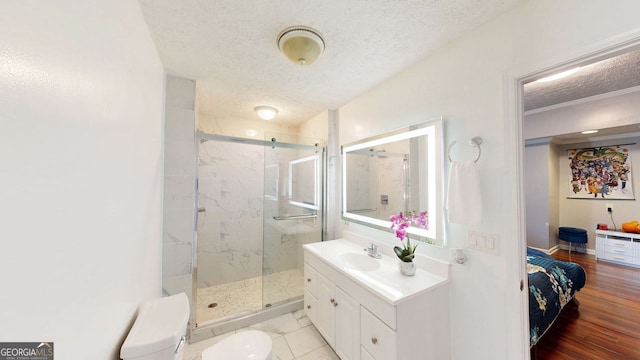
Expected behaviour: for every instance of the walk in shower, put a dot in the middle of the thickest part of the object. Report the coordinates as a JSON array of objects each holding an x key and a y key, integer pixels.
[{"x": 258, "y": 202}]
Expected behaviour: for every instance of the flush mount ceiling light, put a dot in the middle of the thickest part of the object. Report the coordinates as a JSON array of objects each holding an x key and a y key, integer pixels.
[
  {"x": 302, "y": 45},
  {"x": 266, "y": 112},
  {"x": 559, "y": 75}
]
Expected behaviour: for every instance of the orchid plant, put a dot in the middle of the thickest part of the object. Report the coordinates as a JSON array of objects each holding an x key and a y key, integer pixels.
[{"x": 400, "y": 223}]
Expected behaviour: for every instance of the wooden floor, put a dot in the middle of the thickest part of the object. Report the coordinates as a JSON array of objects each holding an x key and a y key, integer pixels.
[{"x": 606, "y": 325}]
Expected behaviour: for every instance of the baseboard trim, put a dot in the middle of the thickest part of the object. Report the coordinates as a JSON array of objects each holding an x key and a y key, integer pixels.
[{"x": 566, "y": 247}]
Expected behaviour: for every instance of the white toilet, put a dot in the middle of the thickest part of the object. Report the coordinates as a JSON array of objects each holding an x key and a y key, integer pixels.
[
  {"x": 159, "y": 332},
  {"x": 251, "y": 344}
]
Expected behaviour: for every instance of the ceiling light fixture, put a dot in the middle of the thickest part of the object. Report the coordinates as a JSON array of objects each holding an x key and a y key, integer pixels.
[
  {"x": 302, "y": 45},
  {"x": 266, "y": 112},
  {"x": 559, "y": 75},
  {"x": 586, "y": 132}
]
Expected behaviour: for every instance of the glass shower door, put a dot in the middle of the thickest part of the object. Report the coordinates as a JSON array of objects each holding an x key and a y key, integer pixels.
[
  {"x": 293, "y": 193},
  {"x": 229, "y": 228}
]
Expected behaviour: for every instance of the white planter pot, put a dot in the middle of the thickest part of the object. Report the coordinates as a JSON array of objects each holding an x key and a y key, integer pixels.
[{"x": 407, "y": 268}]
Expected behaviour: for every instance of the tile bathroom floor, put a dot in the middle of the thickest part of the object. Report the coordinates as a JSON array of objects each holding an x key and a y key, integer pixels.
[{"x": 293, "y": 336}]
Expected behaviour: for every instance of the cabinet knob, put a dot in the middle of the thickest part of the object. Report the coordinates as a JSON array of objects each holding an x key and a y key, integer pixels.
[
  {"x": 374, "y": 340},
  {"x": 308, "y": 306},
  {"x": 308, "y": 280},
  {"x": 332, "y": 300},
  {"x": 335, "y": 304}
]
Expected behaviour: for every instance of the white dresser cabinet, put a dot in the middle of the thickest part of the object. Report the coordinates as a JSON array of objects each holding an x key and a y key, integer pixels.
[
  {"x": 405, "y": 318},
  {"x": 618, "y": 247}
]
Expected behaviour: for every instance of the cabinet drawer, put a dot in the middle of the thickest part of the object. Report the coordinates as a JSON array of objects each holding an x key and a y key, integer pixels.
[
  {"x": 310, "y": 306},
  {"x": 619, "y": 247},
  {"x": 364, "y": 355},
  {"x": 618, "y": 257},
  {"x": 310, "y": 279},
  {"x": 376, "y": 337}
]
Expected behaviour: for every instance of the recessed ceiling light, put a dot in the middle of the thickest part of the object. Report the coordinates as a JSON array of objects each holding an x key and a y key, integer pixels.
[
  {"x": 559, "y": 75},
  {"x": 589, "y": 132}
]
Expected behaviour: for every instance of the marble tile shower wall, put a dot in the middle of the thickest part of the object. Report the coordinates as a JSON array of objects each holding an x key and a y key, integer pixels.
[
  {"x": 179, "y": 194},
  {"x": 238, "y": 238},
  {"x": 230, "y": 230}
]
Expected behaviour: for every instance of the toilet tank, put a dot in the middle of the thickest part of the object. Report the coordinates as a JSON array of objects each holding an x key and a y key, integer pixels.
[{"x": 159, "y": 332}]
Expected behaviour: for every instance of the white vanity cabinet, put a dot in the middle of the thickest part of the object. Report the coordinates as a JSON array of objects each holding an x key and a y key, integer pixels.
[
  {"x": 347, "y": 326},
  {"x": 375, "y": 313},
  {"x": 326, "y": 323},
  {"x": 377, "y": 338},
  {"x": 336, "y": 315}
]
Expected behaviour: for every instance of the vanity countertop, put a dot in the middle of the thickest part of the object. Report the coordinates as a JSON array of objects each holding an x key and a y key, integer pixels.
[{"x": 380, "y": 276}]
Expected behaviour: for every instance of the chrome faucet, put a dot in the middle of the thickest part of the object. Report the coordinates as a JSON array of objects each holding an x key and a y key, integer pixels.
[{"x": 372, "y": 251}]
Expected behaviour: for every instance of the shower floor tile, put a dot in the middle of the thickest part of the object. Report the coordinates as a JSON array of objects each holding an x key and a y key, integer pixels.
[{"x": 246, "y": 296}]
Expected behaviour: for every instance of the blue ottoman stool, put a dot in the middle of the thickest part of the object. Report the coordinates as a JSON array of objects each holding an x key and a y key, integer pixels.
[{"x": 573, "y": 235}]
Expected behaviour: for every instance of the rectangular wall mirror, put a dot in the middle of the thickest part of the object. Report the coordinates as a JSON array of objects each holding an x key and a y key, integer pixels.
[
  {"x": 393, "y": 172},
  {"x": 304, "y": 182}
]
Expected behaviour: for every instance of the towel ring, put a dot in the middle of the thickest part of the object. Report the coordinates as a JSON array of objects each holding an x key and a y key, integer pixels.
[{"x": 474, "y": 141}]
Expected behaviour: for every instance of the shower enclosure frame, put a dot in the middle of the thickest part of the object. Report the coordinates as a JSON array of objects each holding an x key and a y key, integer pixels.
[{"x": 199, "y": 332}]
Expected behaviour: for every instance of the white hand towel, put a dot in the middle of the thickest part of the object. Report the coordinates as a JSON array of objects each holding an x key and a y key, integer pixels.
[{"x": 464, "y": 201}]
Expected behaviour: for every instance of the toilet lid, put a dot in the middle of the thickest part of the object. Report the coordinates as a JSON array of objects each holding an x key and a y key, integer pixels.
[{"x": 251, "y": 344}]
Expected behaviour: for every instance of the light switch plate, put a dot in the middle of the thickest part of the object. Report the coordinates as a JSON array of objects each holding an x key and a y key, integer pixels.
[{"x": 484, "y": 241}]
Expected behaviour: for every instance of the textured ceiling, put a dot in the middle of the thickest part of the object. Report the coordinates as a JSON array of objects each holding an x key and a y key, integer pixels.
[
  {"x": 229, "y": 47},
  {"x": 618, "y": 72},
  {"x": 612, "y": 74}
]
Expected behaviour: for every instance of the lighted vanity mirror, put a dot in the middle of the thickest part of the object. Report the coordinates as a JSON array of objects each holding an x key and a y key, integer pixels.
[
  {"x": 397, "y": 171},
  {"x": 304, "y": 182}
]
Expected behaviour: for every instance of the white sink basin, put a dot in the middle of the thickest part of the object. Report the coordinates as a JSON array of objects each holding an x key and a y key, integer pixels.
[
  {"x": 358, "y": 261},
  {"x": 381, "y": 276}
]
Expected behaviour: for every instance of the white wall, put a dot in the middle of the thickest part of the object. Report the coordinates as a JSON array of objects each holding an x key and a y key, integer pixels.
[
  {"x": 541, "y": 193},
  {"x": 598, "y": 113},
  {"x": 536, "y": 182},
  {"x": 554, "y": 193},
  {"x": 81, "y": 92},
  {"x": 316, "y": 127},
  {"x": 468, "y": 82}
]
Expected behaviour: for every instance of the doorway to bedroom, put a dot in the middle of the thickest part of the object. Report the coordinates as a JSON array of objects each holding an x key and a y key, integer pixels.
[{"x": 601, "y": 95}]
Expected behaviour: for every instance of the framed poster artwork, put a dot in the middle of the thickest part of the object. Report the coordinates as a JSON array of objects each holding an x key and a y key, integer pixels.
[{"x": 601, "y": 173}]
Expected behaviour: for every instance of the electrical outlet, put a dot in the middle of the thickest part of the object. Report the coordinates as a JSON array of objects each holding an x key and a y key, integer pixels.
[{"x": 609, "y": 207}]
